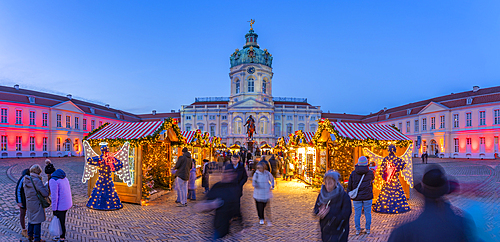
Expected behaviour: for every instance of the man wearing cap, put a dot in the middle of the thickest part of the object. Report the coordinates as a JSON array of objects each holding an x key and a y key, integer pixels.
[
  {"x": 241, "y": 177},
  {"x": 182, "y": 167},
  {"x": 438, "y": 221},
  {"x": 363, "y": 201}
]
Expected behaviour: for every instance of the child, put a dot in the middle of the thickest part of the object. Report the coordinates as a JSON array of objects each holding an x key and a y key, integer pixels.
[
  {"x": 192, "y": 183},
  {"x": 205, "y": 176}
]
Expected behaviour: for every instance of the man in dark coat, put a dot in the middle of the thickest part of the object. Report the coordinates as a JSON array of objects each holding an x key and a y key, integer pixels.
[
  {"x": 274, "y": 166},
  {"x": 363, "y": 200},
  {"x": 241, "y": 177},
  {"x": 438, "y": 221},
  {"x": 182, "y": 167}
]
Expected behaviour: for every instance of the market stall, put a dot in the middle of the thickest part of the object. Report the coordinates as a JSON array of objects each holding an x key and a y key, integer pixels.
[
  {"x": 235, "y": 148},
  {"x": 199, "y": 146},
  {"x": 343, "y": 143},
  {"x": 148, "y": 156},
  {"x": 303, "y": 151}
]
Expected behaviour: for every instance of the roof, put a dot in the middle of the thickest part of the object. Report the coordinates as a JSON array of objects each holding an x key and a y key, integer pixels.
[
  {"x": 46, "y": 99},
  {"x": 127, "y": 130},
  {"x": 337, "y": 117},
  {"x": 360, "y": 131},
  {"x": 308, "y": 136},
  {"x": 159, "y": 116},
  {"x": 189, "y": 135}
]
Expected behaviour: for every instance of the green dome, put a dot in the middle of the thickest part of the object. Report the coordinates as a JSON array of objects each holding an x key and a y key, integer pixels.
[{"x": 251, "y": 53}]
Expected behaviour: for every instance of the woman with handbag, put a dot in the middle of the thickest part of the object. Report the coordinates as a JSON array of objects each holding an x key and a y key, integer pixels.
[
  {"x": 333, "y": 207},
  {"x": 360, "y": 189},
  {"x": 263, "y": 183},
  {"x": 36, "y": 202},
  {"x": 61, "y": 199}
]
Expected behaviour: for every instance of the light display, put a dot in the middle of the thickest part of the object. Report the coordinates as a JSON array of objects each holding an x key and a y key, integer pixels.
[
  {"x": 104, "y": 196},
  {"x": 392, "y": 198}
]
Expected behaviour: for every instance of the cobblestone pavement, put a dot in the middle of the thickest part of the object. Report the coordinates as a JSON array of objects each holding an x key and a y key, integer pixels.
[{"x": 291, "y": 209}]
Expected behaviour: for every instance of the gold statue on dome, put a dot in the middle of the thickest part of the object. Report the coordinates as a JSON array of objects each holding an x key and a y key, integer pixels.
[{"x": 252, "y": 21}]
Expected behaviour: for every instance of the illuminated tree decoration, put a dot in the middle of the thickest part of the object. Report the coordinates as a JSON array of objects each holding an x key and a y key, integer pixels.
[
  {"x": 104, "y": 196},
  {"x": 392, "y": 198}
]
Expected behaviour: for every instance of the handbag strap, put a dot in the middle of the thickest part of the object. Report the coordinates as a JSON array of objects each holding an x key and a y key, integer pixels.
[
  {"x": 359, "y": 184},
  {"x": 36, "y": 190}
]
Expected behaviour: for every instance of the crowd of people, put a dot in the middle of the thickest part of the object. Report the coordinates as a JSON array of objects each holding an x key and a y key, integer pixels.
[{"x": 33, "y": 196}]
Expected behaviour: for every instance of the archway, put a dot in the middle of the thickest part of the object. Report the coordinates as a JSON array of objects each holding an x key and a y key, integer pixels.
[
  {"x": 67, "y": 146},
  {"x": 433, "y": 148}
]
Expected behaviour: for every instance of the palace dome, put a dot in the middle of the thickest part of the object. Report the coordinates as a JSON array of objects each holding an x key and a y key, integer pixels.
[{"x": 251, "y": 52}]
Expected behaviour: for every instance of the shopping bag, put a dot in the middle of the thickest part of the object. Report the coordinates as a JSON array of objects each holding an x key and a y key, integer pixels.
[{"x": 55, "y": 227}]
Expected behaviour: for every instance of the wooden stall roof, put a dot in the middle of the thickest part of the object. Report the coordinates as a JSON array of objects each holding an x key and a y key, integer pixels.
[
  {"x": 360, "y": 131},
  {"x": 127, "y": 130}
]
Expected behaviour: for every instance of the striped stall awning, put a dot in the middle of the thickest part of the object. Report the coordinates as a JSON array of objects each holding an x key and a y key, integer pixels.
[
  {"x": 286, "y": 139},
  {"x": 361, "y": 131},
  {"x": 127, "y": 130},
  {"x": 189, "y": 135},
  {"x": 308, "y": 136}
]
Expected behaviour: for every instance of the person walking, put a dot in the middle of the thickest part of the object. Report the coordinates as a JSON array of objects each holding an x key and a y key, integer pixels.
[
  {"x": 333, "y": 207},
  {"x": 241, "y": 178},
  {"x": 192, "y": 182},
  {"x": 362, "y": 179},
  {"x": 426, "y": 157},
  {"x": 21, "y": 202},
  {"x": 274, "y": 166},
  {"x": 267, "y": 165},
  {"x": 32, "y": 184},
  {"x": 423, "y": 157},
  {"x": 263, "y": 183},
  {"x": 205, "y": 176},
  {"x": 439, "y": 221},
  {"x": 62, "y": 201},
  {"x": 183, "y": 167}
]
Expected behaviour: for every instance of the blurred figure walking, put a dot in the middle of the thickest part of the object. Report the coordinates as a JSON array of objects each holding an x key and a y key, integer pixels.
[
  {"x": 263, "y": 183},
  {"x": 438, "y": 221},
  {"x": 205, "y": 177}
]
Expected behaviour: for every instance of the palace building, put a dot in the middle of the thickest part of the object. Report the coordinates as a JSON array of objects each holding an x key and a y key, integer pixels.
[{"x": 460, "y": 125}]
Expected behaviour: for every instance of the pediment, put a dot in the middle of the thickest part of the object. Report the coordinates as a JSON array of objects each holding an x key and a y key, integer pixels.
[
  {"x": 68, "y": 106},
  {"x": 251, "y": 103},
  {"x": 433, "y": 107}
]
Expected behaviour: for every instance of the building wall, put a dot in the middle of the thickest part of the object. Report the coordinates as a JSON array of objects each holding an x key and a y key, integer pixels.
[
  {"x": 481, "y": 133},
  {"x": 27, "y": 129}
]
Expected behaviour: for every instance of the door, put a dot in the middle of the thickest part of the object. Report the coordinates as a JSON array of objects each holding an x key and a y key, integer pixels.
[{"x": 468, "y": 145}]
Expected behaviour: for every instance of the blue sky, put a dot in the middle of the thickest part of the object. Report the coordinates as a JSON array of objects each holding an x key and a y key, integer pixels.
[{"x": 345, "y": 56}]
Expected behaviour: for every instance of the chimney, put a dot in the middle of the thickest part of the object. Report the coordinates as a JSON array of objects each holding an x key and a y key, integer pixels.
[
  {"x": 69, "y": 96},
  {"x": 172, "y": 110},
  {"x": 107, "y": 105},
  {"x": 16, "y": 86},
  {"x": 385, "y": 109},
  {"x": 154, "y": 112},
  {"x": 475, "y": 88}
]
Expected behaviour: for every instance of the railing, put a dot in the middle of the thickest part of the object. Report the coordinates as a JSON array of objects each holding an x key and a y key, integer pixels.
[
  {"x": 290, "y": 99},
  {"x": 211, "y": 99}
]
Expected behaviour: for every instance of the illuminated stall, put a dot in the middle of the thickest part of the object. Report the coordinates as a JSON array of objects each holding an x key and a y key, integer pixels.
[
  {"x": 149, "y": 156},
  {"x": 265, "y": 149},
  {"x": 343, "y": 143},
  {"x": 235, "y": 148},
  {"x": 302, "y": 149},
  {"x": 198, "y": 145}
]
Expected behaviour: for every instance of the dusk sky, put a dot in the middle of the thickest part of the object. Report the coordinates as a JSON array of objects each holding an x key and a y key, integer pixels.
[{"x": 345, "y": 56}]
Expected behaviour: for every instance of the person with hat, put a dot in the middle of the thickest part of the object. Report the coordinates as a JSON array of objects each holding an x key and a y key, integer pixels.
[
  {"x": 333, "y": 207},
  {"x": 438, "y": 221},
  {"x": 182, "y": 167},
  {"x": 241, "y": 177},
  {"x": 362, "y": 179}
]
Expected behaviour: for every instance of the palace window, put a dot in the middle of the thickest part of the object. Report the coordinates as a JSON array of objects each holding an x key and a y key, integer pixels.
[
  {"x": 211, "y": 117},
  {"x": 223, "y": 129},
  {"x": 496, "y": 114},
  {"x": 32, "y": 143},
  {"x": 4, "y": 116},
  {"x": 3, "y": 142},
  {"x": 200, "y": 117},
  {"x": 19, "y": 117},
  {"x": 468, "y": 119},
  {"x": 250, "y": 84},
  {"x": 400, "y": 127},
  {"x": 289, "y": 128},
  {"x": 482, "y": 118},
  {"x": 223, "y": 117},
  {"x": 18, "y": 143},
  {"x": 441, "y": 123},
  {"x": 277, "y": 129},
  {"x": 456, "y": 123},
  {"x": 188, "y": 127},
  {"x": 424, "y": 124},
  {"x": 312, "y": 128},
  {"x": 301, "y": 118},
  {"x": 313, "y": 118},
  {"x": 289, "y": 117},
  {"x": 58, "y": 144},
  {"x": 301, "y": 127},
  {"x": 188, "y": 117},
  {"x": 84, "y": 124},
  {"x": 92, "y": 125},
  {"x": 32, "y": 117},
  {"x": 201, "y": 127},
  {"x": 264, "y": 87},
  {"x": 407, "y": 126},
  {"x": 433, "y": 123},
  {"x": 212, "y": 130},
  {"x": 277, "y": 117},
  {"x": 457, "y": 145},
  {"x": 68, "y": 122},
  {"x": 237, "y": 86},
  {"x": 58, "y": 121},
  {"x": 45, "y": 119},
  {"x": 44, "y": 143},
  {"x": 77, "y": 123}
]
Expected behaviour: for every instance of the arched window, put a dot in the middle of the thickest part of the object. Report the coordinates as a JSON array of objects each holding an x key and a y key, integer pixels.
[
  {"x": 312, "y": 128},
  {"x": 250, "y": 84},
  {"x": 264, "y": 87},
  {"x": 277, "y": 129},
  {"x": 301, "y": 127},
  {"x": 237, "y": 86},
  {"x": 188, "y": 127},
  {"x": 289, "y": 128},
  {"x": 263, "y": 125},
  {"x": 201, "y": 127},
  {"x": 223, "y": 129},
  {"x": 237, "y": 125}
]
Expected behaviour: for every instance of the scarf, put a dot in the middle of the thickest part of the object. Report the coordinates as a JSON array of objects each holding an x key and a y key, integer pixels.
[{"x": 325, "y": 196}]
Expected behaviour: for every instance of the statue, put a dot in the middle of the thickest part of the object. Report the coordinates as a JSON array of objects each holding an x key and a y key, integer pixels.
[
  {"x": 252, "y": 21},
  {"x": 250, "y": 127}
]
